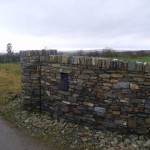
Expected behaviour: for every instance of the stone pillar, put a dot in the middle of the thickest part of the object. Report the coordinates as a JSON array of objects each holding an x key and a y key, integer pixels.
[
  {"x": 30, "y": 71},
  {"x": 31, "y": 74}
]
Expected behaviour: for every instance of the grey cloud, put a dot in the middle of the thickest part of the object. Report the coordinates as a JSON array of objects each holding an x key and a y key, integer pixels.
[{"x": 95, "y": 19}]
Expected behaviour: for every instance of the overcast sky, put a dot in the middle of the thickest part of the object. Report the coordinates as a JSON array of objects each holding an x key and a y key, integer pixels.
[{"x": 75, "y": 24}]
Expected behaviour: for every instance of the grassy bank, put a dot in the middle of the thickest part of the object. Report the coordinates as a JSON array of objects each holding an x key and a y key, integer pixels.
[
  {"x": 139, "y": 59},
  {"x": 10, "y": 84},
  {"x": 10, "y": 87}
]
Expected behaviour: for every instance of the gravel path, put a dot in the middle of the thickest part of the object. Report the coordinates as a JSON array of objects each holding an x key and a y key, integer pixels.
[{"x": 12, "y": 139}]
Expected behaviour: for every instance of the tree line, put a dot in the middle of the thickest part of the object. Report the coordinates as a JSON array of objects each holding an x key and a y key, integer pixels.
[
  {"x": 9, "y": 56},
  {"x": 109, "y": 52}
]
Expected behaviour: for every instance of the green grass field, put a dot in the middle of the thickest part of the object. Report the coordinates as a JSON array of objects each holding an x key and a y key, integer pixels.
[
  {"x": 10, "y": 83},
  {"x": 139, "y": 59}
]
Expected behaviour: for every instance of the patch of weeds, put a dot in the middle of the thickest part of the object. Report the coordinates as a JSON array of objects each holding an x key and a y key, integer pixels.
[
  {"x": 85, "y": 146},
  {"x": 8, "y": 114},
  {"x": 4, "y": 102},
  {"x": 47, "y": 138},
  {"x": 55, "y": 138},
  {"x": 55, "y": 134}
]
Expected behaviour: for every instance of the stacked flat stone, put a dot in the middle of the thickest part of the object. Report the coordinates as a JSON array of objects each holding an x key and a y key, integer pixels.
[
  {"x": 103, "y": 93},
  {"x": 31, "y": 72}
]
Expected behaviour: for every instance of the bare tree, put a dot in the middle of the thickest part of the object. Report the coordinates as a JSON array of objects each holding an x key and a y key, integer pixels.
[
  {"x": 109, "y": 52},
  {"x": 9, "y": 48}
]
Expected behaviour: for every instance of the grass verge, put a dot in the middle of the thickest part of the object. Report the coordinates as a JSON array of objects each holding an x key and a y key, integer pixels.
[
  {"x": 10, "y": 85},
  {"x": 10, "y": 88},
  {"x": 139, "y": 59}
]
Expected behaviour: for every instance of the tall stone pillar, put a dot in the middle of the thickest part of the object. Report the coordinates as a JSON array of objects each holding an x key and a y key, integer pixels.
[{"x": 30, "y": 76}]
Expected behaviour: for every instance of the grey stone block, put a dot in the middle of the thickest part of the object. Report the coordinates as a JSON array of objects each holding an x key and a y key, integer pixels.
[
  {"x": 100, "y": 109},
  {"x": 121, "y": 85}
]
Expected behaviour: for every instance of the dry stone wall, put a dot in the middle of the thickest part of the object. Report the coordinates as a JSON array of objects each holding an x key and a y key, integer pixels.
[{"x": 97, "y": 92}]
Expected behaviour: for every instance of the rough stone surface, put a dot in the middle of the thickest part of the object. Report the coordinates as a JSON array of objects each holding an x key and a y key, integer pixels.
[
  {"x": 121, "y": 85},
  {"x": 100, "y": 109},
  {"x": 97, "y": 92},
  {"x": 134, "y": 86}
]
